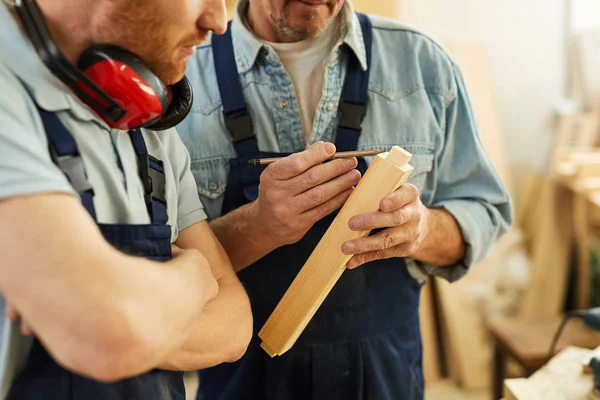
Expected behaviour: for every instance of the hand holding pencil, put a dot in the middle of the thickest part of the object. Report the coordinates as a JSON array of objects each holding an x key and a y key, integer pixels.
[{"x": 298, "y": 190}]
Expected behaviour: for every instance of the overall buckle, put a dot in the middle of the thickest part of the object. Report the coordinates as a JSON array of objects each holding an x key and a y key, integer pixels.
[{"x": 352, "y": 115}]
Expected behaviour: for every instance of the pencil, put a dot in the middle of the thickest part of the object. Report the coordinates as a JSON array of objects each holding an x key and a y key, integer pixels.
[{"x": 342, "y": 154}]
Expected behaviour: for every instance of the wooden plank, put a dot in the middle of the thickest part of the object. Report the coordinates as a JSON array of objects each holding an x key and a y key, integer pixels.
[
  {"x": 551, "y": 250},
  {"x": 431, "y": 352},
  {"x": 583, "y": 275},
  {"x": 468, "y": 342},
  {"x": 519, "y": 389},
  {"x": 327, "y": 262}
]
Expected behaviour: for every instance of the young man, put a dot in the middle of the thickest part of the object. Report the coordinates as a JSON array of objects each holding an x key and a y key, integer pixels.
[
  {"x": 90, "y": 205},
  {"x": 288, "y": 77}
]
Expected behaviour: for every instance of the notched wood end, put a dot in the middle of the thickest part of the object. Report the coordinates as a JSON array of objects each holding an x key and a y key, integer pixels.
[
  {"x": 268, "y": 350},
  {"x": 398, "y": 156}
]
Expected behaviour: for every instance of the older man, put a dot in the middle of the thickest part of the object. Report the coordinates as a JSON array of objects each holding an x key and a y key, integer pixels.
[
  {"x": 91, "y": 201},
  {"x": 305, "y": 78}
]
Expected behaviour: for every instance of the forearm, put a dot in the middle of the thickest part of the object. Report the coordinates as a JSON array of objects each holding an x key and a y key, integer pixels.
[
  {"x": 240, "y": 235},
  {"x": 220, "y": 334},
  {"x": 443, "y": 244},
  {"x": 97, "y": 311},
  {"x": 223, "y": 328},
  {"x": 108, "y": 319}
]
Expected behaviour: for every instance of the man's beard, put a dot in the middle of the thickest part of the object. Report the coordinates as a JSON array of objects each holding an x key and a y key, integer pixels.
[
  {"x": 137, "y": 29},
  {"x": 310, "y": 30}
]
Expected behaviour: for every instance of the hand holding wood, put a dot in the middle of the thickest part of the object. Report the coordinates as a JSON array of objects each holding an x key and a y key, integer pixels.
[
  {"x": 406, "y": 221},
  {"x": 326, "y": 264}
]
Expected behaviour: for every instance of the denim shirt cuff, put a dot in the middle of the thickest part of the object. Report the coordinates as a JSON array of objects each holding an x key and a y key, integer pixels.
[{"x": 464, "y": 213}]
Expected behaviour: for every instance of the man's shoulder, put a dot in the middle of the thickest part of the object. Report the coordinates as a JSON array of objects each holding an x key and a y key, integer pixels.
[
  {"x": 13, "y": 90},
  {"x": 16, "y": 104},
  {"x": 402, "y": 35},
  {"x": 407, "y": 59}
]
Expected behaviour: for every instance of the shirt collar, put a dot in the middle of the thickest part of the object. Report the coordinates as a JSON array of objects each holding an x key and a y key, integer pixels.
[
  {"x": 19, "y": 55},
  {"x": 247, "y": 46}
]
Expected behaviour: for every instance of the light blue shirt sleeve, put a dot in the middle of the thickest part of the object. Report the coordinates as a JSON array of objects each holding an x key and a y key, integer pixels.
[
  {"x": 25, "y": 164},
  {"x": 468, "y": 186},
  {"x": 190, "y": 207}
]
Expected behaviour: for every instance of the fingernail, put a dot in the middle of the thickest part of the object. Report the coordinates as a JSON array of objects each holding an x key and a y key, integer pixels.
[
  {"x": 330, "y": 149},
  {"x": 354, "y": 224},
  {"x": 348, "y": 248},
  {"x": 351, "y": 264}
]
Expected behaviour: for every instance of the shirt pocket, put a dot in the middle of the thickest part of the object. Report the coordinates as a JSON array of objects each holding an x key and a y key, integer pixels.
[
  {"x": 211, "y": 179},
  {"x": 422, "y": 162}
]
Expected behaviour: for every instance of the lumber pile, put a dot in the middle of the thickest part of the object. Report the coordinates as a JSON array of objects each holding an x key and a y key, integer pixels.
[{"x": 327, "y": 262}]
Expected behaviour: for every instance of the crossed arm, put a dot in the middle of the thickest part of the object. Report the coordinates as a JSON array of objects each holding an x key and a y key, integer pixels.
[
  {"x": 107, "y": 315},
  {"x": 223, "y": 328}
]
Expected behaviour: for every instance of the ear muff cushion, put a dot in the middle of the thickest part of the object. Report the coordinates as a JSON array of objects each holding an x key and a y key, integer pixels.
[{"x": 183, "y": 98}]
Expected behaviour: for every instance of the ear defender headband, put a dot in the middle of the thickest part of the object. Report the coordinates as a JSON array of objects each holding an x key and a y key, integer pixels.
[{"x": 113, "y": 82}]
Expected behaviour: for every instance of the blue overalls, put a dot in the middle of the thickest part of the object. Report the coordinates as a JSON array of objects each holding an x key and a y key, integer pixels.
[
  {"x": 42, "y": 377},
  {"x": 364, "y": 341}
]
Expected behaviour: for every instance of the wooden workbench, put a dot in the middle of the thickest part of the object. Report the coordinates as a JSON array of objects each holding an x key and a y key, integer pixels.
[{"x": 561, "y": 379}]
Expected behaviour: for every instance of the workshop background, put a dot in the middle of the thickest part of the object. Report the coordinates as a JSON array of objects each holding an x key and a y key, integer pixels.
[{"x": 532, "y": 68}]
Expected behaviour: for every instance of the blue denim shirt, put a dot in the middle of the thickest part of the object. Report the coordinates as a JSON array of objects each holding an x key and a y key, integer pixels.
[{"x": 417, "y": 99}]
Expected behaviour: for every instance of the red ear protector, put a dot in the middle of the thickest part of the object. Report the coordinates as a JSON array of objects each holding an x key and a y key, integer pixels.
[{"x": 113, "y": 82}]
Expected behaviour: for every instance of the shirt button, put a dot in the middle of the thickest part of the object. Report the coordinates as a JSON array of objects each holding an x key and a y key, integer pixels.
[
  {"x": 283, "y": 104},
  {"x": 213, "y": 186},
  {"x": 329, "y": 107},
  {"x": 264, "y": 52}
]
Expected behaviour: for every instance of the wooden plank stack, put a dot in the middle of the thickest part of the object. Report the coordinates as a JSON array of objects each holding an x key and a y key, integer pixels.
[{"x": 326, "y": 264}]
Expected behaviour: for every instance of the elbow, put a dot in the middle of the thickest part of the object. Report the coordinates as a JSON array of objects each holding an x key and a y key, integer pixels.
[
  {"x": 110, "y": 362},
  {"x": 113, "y": 353},
  {"x": 102, "y": 363},
  {"x": 244, "y": 332},
  {"x": 240, "y": 348}
]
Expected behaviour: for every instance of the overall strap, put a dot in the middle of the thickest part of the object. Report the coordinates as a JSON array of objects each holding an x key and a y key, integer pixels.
[
  {"x": 353, "y": 104},
  {"x": 152, "y": 174},
  {"x": 237, "y": 118},
  {"x": 65, "y": 154}
]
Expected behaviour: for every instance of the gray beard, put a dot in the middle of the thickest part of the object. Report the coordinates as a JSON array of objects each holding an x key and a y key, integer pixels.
[{"x": 285, "y": 29}]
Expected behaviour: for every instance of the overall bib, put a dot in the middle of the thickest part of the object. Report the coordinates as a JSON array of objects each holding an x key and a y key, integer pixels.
[
  {"x": 364, "y": 342},
  {"x": 42, "y": 378}
]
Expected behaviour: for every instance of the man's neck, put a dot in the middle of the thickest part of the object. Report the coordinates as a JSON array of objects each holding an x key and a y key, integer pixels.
[
  {"x": 68, "y": 26},
  {"x": 260, "y": 24}
]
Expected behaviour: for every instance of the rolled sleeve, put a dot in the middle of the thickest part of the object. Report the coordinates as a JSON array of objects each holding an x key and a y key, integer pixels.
[{"x": 468, "y": 187}]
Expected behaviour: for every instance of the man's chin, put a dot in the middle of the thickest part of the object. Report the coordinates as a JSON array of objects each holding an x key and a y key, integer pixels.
[
  {"x": 172, "y": 73},
  {"x": 310, "y": 30}
]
